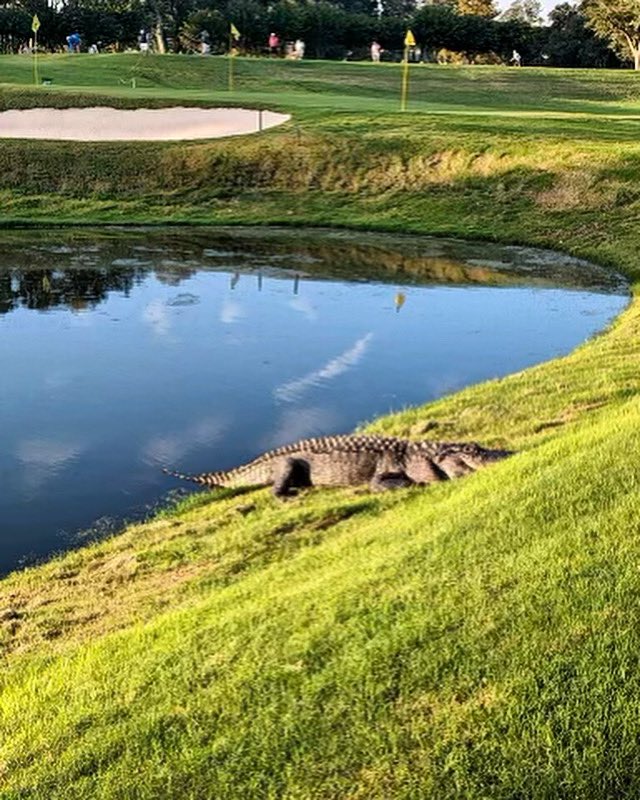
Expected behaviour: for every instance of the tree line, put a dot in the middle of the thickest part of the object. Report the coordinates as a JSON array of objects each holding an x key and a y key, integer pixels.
[{"x": 596, "y": 33}]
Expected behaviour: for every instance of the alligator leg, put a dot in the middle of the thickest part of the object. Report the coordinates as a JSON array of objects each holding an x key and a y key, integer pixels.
[
  {"x": 454, "y": 466},
  {"x": 382, "y": 481},
  {"x": 293, "y": 474}
]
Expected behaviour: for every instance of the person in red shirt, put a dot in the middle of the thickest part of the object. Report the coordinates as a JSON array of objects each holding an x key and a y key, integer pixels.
[{"x": 274, "y": 44}]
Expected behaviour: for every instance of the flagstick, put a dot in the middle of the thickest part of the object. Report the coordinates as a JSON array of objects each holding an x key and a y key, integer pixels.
[
  {"x": 230, "y": 62},
  {"x": 405, "y": 79},
  {"x": 35, "y": 58}
]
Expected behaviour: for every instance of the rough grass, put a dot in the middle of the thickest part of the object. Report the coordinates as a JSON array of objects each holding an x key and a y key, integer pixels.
[{"x": 478, "y": 639}]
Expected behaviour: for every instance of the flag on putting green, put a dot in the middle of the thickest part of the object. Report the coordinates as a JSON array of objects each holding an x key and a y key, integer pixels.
[
  {"x": 235, "y": 33},
  {"x": 409, "y": 39},
  {"x": 35, "y": 23}
]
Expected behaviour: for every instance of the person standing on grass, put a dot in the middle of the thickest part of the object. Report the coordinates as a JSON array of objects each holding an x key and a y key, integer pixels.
[
  {"x": 274, "y": 44},
  {"x": 144, "y": 38},
  {"x": 376, "y": 50},
  {"x": 73, "y": 42},
  {"x": 298, "y": 50}
]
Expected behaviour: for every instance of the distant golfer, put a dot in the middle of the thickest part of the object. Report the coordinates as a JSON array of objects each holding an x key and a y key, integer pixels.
[
  {"x": 274, "y": 44},
  {"x": 376, "y": 51},
  {"x": 516, "y": 59},
  {"x": 298, "y": 50},
  {"x": 73, "y": 42},
  {"x": 144, "y": 40}
]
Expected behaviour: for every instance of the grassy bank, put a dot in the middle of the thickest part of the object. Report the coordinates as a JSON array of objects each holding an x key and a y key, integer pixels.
[{"x": 475, "y": 640}]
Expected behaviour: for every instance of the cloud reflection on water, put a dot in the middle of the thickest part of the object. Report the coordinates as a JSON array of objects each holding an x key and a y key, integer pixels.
[
  {"x": 291, "y": 391},
  {"x": 168, "y": 449},
  {"x": 43, "y": 459},
  {"x": 294, "y": 424},
  {"x": 304, "y": 306},
  {"x": 231, "y": 312},
  {"x": 155, "y": 314}
]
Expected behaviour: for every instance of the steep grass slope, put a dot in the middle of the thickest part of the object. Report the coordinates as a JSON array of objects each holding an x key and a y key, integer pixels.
[{"x": 478, "y": 639}]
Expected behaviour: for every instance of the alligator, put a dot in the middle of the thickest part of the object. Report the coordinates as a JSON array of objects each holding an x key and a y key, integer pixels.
[{"x": 384, "y": 462}]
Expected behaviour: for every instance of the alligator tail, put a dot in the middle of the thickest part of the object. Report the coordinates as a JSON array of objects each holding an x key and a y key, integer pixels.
[{"x": 203, "y": 480}]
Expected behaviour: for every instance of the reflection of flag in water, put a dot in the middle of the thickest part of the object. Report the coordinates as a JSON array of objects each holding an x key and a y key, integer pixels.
[
  {"x": 235, "y": 33},
  {"x": 399, "y": 301}
]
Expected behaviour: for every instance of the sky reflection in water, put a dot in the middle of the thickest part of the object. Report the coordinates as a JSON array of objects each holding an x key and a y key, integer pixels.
[{"x": 123, "y": 353}]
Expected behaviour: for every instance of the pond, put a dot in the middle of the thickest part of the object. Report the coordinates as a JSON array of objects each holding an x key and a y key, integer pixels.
[{"x": 123, "y": 351}]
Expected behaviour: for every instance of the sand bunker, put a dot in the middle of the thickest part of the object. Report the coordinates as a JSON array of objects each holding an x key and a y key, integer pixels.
[{"x": 102, "y": 124}]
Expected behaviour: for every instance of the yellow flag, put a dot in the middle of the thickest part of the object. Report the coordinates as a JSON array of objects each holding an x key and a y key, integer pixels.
[
  {"x": 35, "y": 23},
  {"x": 235, "y": 33},
  {"x": 409, "y": 41}
]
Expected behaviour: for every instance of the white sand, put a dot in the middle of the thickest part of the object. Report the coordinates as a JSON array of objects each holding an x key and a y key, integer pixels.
[{"x": 101, "y": 124}]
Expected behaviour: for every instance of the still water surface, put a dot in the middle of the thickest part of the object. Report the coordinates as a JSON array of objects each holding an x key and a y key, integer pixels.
[{"x": 124, "y": 351}]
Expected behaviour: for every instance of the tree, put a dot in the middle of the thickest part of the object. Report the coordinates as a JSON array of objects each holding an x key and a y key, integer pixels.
[
  {"x": 99, "y": 23},
  {"x": 618, "y": 21},
  {"x": 15, "y": 29},
  {"x": 208, "y": 25},
  {"x": 435, "y": 26},
  {"x": 477, "y": 8},
  {"x": 323, "y": 29},
  {"x": 528, "y": 40},
  {"x": 369, "y": 7},
  {"x": 529, "y": 11},
  {"x": 397, "y": 8},
  {"x": 474, "y": 35},
  {"x": 571, "y": 44}
]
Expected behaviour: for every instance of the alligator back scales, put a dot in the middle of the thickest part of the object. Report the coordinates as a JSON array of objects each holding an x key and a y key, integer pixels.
[{"x": 384, "y": 462}]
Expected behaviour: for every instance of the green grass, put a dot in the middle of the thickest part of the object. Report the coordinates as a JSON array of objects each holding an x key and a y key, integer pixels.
[{"x": 473, "y": 640}]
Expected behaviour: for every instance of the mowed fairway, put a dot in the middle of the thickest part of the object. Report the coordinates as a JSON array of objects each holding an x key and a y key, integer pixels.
[{"x": 473, "y": 640}]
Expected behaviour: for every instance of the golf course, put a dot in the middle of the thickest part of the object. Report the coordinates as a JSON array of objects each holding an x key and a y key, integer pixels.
[{"x": 475, "y": 639}]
